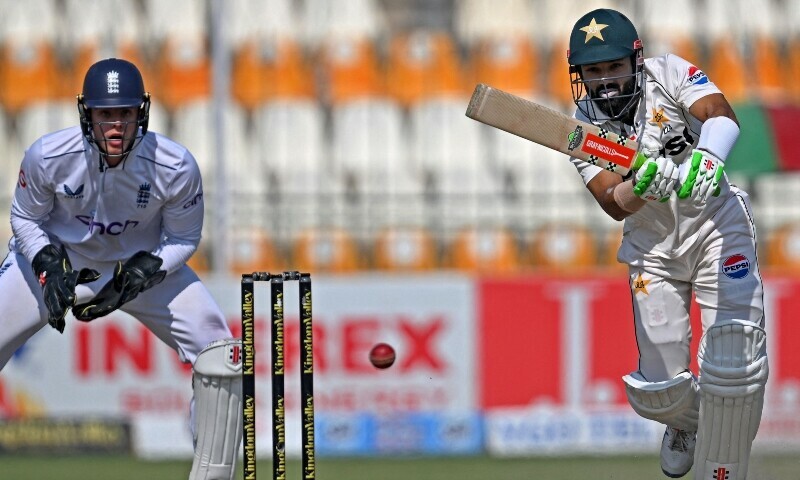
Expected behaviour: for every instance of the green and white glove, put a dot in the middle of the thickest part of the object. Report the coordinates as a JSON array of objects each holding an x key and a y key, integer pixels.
[
  {"x": 700, "y": 176},
  {"x": 656, "y": 175}
]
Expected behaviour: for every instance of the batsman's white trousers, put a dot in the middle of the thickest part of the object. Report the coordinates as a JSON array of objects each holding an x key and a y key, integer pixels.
[{"x": 720, "y": 268}]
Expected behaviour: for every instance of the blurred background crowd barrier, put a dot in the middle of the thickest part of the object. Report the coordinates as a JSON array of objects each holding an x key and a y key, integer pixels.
[{"x": 332, "y": 135}]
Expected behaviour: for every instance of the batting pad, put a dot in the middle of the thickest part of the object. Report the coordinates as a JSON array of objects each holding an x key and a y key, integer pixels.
[
  {"x": 733, "y": 374},
  {"x": 217, "y": 384},
  {"x": 673, "y": 402}
]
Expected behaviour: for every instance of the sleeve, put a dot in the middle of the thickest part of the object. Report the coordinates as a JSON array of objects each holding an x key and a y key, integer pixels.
[
  {"x": 686, "y": 82},
  {"x": 182, "y": 217},
  {"x": 33, "y": 201}
]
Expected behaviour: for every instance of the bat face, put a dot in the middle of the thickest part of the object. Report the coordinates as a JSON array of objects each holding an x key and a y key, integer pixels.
[{"x": 552, "y": 129}]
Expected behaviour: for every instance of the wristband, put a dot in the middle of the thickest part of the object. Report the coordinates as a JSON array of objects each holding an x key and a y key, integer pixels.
[
  {"x": 717, "y": 136},
  {"x": 626, "y": 199}
]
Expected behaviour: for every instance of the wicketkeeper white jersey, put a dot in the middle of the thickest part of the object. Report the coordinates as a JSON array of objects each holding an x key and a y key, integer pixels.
[
  {"x": 672, "y": 85},
  {"x": 152, "y": 201}
]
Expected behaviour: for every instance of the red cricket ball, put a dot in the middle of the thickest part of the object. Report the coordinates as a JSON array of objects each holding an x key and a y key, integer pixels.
[{"x": 382, "y": 355}]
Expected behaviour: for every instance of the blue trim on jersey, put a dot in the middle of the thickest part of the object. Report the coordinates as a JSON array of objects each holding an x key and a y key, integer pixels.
[
  {"x": 65, "y": 153},
  {"x": 156, "y": 163}
]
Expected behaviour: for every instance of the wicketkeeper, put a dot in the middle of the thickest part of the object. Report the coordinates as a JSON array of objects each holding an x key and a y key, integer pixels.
[{"x": 119, "y": 209}]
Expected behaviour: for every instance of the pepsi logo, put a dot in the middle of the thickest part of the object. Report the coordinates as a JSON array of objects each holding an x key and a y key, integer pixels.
[
  {"x": 736, "y": 266},
  {"x": 696, "y": 76}
]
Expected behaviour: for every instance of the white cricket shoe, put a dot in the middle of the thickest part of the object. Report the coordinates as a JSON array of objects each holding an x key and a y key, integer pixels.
[{"x": 677, "y": 452}]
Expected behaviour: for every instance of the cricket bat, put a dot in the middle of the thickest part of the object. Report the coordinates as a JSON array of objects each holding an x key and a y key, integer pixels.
[{"x": 553, "y": 129}]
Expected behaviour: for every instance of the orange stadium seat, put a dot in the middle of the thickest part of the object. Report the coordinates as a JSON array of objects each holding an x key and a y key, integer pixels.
[
  {"x": 768, "y": 69},
  {"x": 508, "y": 63},
  {"x": 557, "y": 246},
  {"x": 423, "y": 64},
  {"x": 484, "y": 249},
  {"x": 349, "y": 70},
  {"x": 254, "y": 250},
  {"x": 405, "y": 249},
  {"x": 782, "y": 250},
  {"x": 727, "y": 70},
  {"x": 270, "y": 69},
  {"x": 325, "y": 250},
  {"x": 30, "y": 72},
  {"x": 199, "y": 262},
  {"x": 793, "y": 67},
  {"x": 558, "y": 79},
  {"x": 182, "y": 70},
  {"x": 88, "y": 53}
]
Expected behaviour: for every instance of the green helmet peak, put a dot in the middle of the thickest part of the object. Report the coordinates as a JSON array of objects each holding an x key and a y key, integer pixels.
[{"x": 602, "y": 35}]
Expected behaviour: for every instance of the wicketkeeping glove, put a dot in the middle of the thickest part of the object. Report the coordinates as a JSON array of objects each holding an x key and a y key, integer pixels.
[
  {"x": 136, "y": 275},
  {"x": 58, "y": 281},
  {"x": 700, "y": 176}
]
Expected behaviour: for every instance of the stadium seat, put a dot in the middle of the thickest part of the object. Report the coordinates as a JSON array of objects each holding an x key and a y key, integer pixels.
[
  {"x": 778, "y": 199},
  {"x": 612, "y": 239},
  {"x": 405, "y": 249},
  {"x": 563, "y": 247},
  {"x": 178, "y": 18},
  {"x": 30, "y": 72},
  {"x": 768, "y": 70},
  {"x": 42, "y": 117},
  {"x": 557, "y": 76},
  {"x": 200, "y": 262},
  {"x": 659, "y": 17},
  {"x": 726, "y": 68},
  {"x": 253, "y": 249},
  {"x": 782, "y": 251},
  {"x": 479, "y": 21},
  {"x": 348, "y": 69},
  {"x": 324, "y": 249},
  {"x": 87, "y": 53},
  {"x": 194, "y": 128},
  {"x": 324, "y": 21},
  {"x": 423, "y": 64},
  {"x": 371, "y": 169},
  {"x": 506, "y": 62},
  {"x": 484, "y": 249},
  {"x": 793, "y": 64},
  {"x": 289, "y": 142},
  {"x": 449, "y": 151},
  {"x": 182, "y": 71},
  {"x": 270, "y": 69},
  {"x": 115, "y": 31}
]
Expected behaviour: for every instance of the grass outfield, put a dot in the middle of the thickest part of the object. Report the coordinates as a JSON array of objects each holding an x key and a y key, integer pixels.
[{"x": 783, "y": 467}]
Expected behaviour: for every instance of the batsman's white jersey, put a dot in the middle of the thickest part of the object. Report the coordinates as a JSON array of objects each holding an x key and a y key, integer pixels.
[
  {"x": 153, "y": 201},
  {"x": 679, "y": 247}
]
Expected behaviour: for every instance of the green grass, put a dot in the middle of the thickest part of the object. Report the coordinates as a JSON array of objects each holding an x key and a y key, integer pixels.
[{"x": 778, "y": 467}]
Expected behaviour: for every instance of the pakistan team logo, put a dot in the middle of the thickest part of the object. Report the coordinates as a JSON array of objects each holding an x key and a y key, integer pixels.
[{"x": 575, "y": 138}]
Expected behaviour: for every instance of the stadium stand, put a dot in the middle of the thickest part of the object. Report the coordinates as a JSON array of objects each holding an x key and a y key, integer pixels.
[
  {"x": 350, "y": 113},
  {"x": 404, "y": 249},
  {"x": 484, "y": 249}
]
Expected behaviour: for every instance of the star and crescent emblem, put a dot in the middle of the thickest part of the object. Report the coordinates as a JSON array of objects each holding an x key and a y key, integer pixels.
[{"x": 594, "y": 30}]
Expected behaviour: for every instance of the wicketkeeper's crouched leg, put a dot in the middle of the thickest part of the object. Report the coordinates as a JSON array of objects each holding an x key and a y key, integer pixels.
[{"x": 217, "y": 410}]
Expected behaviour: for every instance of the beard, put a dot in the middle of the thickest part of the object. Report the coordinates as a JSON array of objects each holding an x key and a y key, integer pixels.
[{"x": 611, "y": 98}]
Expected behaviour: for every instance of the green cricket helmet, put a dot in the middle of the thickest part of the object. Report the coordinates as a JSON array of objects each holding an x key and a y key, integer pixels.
[{"x": 604, "y": 35}]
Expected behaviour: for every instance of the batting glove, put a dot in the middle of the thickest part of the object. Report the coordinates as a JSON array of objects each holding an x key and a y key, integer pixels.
[
  {"x": 58, "y": 281},
  {"x": 700, "y": 176},
  {"x": 656, "y": 178}
]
